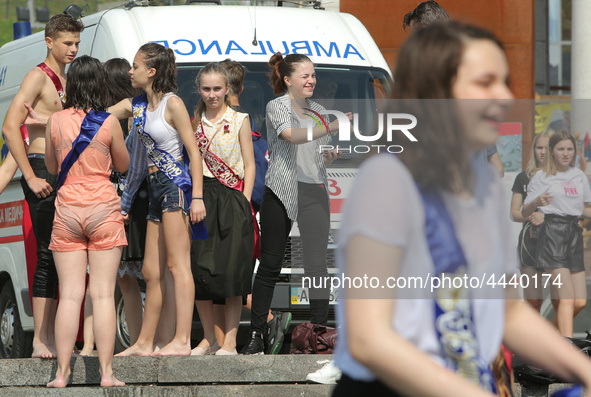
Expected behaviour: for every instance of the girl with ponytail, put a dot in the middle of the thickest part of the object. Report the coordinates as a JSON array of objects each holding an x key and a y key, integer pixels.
[
  {"x": 162, "y": 127},
  {"x": 296, "y": 190},
  {"x": 222, "y": 265}
]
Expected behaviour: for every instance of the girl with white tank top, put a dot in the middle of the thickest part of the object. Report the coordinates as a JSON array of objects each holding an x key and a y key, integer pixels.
[{"x": 168, "y": 238}]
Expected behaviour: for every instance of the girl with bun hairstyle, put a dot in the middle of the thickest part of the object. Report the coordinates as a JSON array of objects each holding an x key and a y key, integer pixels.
[
  {"x": 296, "y": 190},
  {"x": 162, "y": 127}
]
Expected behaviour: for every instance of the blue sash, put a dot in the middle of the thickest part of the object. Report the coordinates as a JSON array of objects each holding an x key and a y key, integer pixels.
[
  {"x": 90, "y": 126},
  {"x": 454, "y": 322},
  {"x": 177, "y": 173}
]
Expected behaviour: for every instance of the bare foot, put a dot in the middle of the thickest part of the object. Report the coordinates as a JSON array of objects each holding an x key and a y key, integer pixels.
[
  {"x": 174, "y": 348},
  {"x": 60, "y": 380},
  {"x": 136, "y": 350},
  {"x": 111, "y": 381},
  {"x": 43, "y": 351},
  {"x": 85, "y": 353}
]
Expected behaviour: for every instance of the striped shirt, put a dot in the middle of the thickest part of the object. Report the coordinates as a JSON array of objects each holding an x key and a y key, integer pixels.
[{"x": 282, "y": 176}]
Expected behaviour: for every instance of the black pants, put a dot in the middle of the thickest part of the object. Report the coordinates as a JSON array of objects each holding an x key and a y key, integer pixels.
[
  {"x": 314, "y": 224},
  {"x": 42, "y": 210},
  {"x": 348, "y": 387}
]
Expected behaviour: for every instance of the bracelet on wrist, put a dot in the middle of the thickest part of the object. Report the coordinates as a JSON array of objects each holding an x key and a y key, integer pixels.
[{"x": 196, "y": 198}]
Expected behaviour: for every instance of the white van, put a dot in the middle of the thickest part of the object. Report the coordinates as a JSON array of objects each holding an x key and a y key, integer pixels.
[{"x": 337, "y": 43}]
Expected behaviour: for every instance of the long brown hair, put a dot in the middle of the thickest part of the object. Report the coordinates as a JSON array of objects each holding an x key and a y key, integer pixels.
[
  {"x": 281, "y": 67},
  {"x": 162, "y": 59},
  {"x": 427, "y": 66},
  {"x": 550, "y": 162}
]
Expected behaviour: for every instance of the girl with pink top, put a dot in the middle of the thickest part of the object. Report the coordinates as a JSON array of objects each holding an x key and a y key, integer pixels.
[{"x": 83, "y": 144}]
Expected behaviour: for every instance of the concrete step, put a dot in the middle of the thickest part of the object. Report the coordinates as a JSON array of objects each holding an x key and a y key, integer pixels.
[
  {"x": 273, "y": 376},
  {"x": 289, "y": 390},
  {"x": 249, "y": 376}
]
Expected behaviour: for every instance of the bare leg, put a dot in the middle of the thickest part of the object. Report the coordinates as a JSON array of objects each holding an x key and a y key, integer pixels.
[
  {"x": 533, "y": 293},
  {"x": 219, "y": 317},
  {"x": 166, "y": 326},
  {"x": 233, "y": 310},
  {"x": 580, "y": 287},
  {"x": 178, "y": 256},
  {"x": 205, "y": 309},
  {"x": 44, "y": 320},
  {"x": 153, "y": 271},
  {"x": 103, "y": 275},
  {"x": 563, "y": 300},
  {"x": 71, "y": 270},
  {"x": 132, "y": 300},
  {"x": 88, "y": 334}
]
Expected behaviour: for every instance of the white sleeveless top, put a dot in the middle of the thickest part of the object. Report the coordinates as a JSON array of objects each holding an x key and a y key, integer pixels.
[{"x": 165, "y": 137}]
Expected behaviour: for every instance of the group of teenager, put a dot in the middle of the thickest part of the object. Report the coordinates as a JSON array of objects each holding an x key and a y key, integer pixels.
[
  {"x": 434, "y": 208},
  {"x": 200, "y": 230}
]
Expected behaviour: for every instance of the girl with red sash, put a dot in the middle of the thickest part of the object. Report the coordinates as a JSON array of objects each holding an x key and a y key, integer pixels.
[
  {"x": 162, "y": 128},
  {"x": 222, "y": 264}
]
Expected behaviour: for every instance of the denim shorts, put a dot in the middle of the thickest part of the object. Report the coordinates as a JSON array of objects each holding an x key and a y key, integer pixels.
[{"x": 164, "y": 196}]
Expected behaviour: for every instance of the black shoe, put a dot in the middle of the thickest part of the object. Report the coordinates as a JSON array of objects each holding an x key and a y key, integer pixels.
[
  {"x": 277, "y": 328},
  {"x": 255, "y": 345}
]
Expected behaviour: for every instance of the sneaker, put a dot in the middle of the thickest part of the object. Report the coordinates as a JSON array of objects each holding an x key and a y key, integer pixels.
[
  {"x": 276, "y": 332},
  {"x": 327, "y": 375},
  {"x": 255, "y": 345}
]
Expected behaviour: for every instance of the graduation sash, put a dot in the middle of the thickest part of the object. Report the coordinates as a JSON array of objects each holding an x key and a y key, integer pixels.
[
  {"x": 454, "y": 322},
  {"x": 217, "y": 166},
  {"x": 90, "y": 126},
  {"x": 226, "y": 176},
  {"x": 56, "y": 81},
  {"x": 166, "y": 163}
]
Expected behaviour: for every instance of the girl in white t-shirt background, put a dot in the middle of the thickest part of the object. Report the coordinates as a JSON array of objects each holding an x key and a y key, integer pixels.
[{"x": 561, "y": 192}]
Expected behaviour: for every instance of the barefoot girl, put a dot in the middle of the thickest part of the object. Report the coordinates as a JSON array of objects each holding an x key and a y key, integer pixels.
[
  {"x": 161, "y": 128},
  {"x": 83, "y": 142}
]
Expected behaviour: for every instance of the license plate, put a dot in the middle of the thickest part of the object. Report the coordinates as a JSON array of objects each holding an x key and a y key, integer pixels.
[{"x": 301, "y": 296}]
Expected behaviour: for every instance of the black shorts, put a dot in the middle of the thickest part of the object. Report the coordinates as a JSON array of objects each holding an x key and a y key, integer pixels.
[
  {"x": 349, "y": 387},
  {"x": 560, "y": 244},
  {"x": 526, "y": 246}
]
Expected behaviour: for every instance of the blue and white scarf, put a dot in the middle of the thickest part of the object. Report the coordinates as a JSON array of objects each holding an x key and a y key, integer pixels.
[{"x": 177, "y": 173}]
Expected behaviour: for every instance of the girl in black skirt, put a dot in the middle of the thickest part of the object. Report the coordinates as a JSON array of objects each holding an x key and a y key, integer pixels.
[
  {"x": 222, "y": 264},
  {"x": 561, "y": 191}
]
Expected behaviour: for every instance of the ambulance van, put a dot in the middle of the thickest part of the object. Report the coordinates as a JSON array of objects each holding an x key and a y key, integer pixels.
[{"x": 346, "y": 58}]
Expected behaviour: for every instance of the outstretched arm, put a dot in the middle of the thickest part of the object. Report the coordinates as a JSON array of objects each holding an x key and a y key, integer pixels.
[
  {"x": 545, "y": 347},
  {"x": 374, "y": 343},
  {"x": 121, "y": 110}
]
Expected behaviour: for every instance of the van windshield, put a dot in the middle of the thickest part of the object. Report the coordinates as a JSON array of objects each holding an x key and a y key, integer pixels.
[{"x": 347, "y": 89}]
